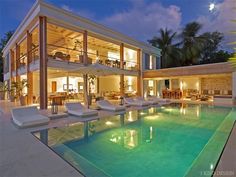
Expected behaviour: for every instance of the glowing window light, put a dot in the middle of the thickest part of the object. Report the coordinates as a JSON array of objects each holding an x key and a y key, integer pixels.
[
  {"x": 130, "y": 119},
  {"x": 150, "y": 83},
  {"x": 151, "y": 63},
  {"x": 108, "y": 123}
]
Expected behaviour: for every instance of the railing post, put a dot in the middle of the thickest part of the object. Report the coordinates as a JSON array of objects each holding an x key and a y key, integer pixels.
[{"x": 43, "y": 61}]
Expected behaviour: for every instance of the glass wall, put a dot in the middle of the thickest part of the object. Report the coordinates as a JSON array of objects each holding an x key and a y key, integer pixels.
[
  {"x": 34, "y": 51},
  {"x": 103, "y": 52},
  {"x": 64, "y": 44},
  {"x": 130, "y": 85},
  {"x": 22, "y": 61},
  {"x": 130, "y": 59},
  {"x": 6, "y": 63}
]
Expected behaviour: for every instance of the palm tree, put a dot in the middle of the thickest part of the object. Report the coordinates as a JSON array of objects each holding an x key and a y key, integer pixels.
[
  {"x": 169, "y": 51},
  {"x": 192, "y": 43}
]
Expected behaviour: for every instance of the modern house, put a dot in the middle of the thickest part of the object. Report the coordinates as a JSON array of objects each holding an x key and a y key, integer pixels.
[
  {"x": 53, "y": 49},
  {"x": 51, "y": 46}
]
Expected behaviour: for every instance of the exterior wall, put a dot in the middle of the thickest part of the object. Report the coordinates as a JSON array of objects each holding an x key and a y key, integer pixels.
[
  {"x": 190, "y": 83},
  {"x": 218, "y": 83},
  {"x": 234, "y": 84},
  {"x": 216, "y": 68},
  {"x": 109, "y": 83}
]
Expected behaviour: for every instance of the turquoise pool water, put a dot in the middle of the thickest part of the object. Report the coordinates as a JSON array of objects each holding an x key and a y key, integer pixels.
[{"x": 176, "y": 140}]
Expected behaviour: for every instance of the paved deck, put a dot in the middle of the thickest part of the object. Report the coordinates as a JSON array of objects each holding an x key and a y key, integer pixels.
[{"x": 22, "y": 155}]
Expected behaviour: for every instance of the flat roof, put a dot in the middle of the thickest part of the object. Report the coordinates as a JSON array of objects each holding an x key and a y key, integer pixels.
[
  {"x": 66, "y": 18},
  {"x": 205, "y": 69}
]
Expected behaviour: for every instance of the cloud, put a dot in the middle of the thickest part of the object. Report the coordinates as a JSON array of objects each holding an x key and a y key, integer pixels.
[
  {"x": 143, "y": 20},
  {"x": 66, "y": 7},
  {"x": 83, "y": 13},
  {"x": 220, "y": 20}
]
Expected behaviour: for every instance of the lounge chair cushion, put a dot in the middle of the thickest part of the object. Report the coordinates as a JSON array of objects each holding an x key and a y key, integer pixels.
[
  {"x": 28, "y": 116},
  {"x": 83, "y": 112},
  {"x": 106, "y": 105},
  {"x": 78, "y": 109},
  {"x": 147, "y": 101},
  {"x": 28, "y": 121},
  {"x": 133, "y": 102}
]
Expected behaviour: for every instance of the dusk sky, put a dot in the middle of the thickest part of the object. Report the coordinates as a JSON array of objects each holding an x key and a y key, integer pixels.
[{"x": 140, "y": 19}]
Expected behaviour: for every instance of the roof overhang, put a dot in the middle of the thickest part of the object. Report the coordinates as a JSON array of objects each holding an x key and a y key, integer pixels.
[{"x": 207, "y": 69}]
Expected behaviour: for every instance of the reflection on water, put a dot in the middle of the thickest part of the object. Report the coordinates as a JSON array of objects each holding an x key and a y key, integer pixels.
[
  {"x": 133, "y": 128},
  {"x": 159, "y": 136}
]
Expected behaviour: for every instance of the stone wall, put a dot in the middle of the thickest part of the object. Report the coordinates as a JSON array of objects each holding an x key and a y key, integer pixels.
[{"x": 217, "y": 83}]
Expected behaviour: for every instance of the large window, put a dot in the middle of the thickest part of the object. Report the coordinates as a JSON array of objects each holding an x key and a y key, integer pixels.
[
  {"x": 146, "y": 61},
  {"x": 64, "y": 44},
  {"x": 6, "y": 63},
  {"x": 130, "y": 59},
  {"x": 23, "y": 53},
  {"x": 104, "y": 52},
  {"x": 158, "y": 62}
]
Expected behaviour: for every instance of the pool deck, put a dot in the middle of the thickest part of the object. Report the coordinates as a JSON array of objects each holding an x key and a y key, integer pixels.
[{"x": 22, "y": 155}]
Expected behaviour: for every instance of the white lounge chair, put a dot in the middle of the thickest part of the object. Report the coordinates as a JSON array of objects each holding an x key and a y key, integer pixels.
[
  {"x": 28, "y": 116},
  {"x": 106, "y": 105},
  {"x": 77, "y": 109},
  {"x": 133, "y": 102},
  {"x": 160, "y": 101},
  {"x": 148, "y": 101}
]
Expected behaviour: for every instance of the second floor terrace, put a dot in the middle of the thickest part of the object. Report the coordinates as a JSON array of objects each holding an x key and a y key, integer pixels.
[
  {"x": 69, "y": 43},
  {"x": 66, "y": 46}
]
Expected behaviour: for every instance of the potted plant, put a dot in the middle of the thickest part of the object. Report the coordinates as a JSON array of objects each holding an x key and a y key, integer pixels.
[
  {"x": 3, "y": 89},
  {"x": 16, "y": 91},
  {"x": 12, "y": 91},
  {"x": 91, "y": 81}
]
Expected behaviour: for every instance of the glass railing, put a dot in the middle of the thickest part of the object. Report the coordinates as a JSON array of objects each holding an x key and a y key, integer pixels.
[
  {"x": 22, "y": 61},
  {"x": 105, "y": 60},
  {"x": 35, "y": 53},
  {"x": 130, "y": 65},
  {"x": 60, "y": 53}
]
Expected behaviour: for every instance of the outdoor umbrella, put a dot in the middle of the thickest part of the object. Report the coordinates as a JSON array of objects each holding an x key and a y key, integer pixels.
[{"x": 99, "y": 70}]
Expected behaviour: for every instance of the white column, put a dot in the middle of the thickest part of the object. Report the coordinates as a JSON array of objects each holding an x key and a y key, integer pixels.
[{"x": 234, "y": 84}]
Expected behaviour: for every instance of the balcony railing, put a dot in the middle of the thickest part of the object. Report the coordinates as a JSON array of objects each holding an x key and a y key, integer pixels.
[
  {"x": 22, "y": 61},
  {"x": 64, "y": 53},
  {"x": 71, "y": 55}
]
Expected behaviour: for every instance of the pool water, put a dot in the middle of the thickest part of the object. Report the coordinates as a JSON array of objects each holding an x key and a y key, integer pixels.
[{"x": 176, "y": 140}]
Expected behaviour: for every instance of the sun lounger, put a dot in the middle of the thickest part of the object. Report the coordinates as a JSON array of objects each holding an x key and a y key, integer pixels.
[
  {"x": 106, "y": 105},
  {"x": 28, "y": 116},
  {"x": 148, "y": 101},
  {"x": 134, "y": 102},
  {"x": 77, "y": 109},
  {"x": 160, "y": 101}
]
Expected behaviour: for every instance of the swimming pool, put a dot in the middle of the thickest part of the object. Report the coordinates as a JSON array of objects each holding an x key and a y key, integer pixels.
[{"x": 176, "y": 140}]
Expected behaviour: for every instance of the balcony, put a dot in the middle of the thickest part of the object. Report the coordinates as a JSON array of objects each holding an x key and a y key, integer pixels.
[
  {"x": 68, "y": 55},
  {"x": 21, "y": 63}
]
